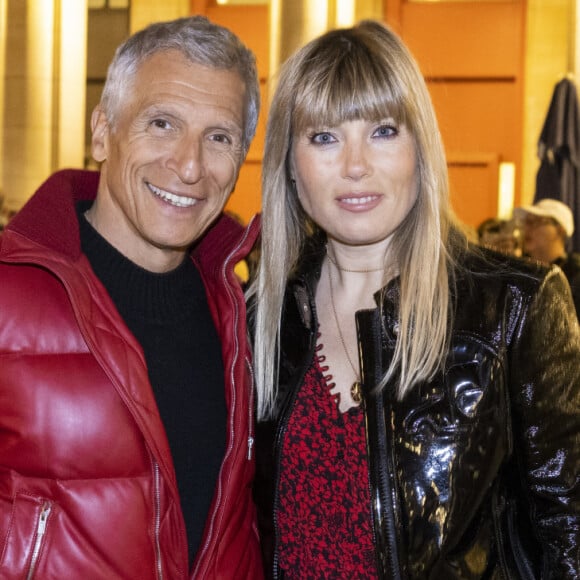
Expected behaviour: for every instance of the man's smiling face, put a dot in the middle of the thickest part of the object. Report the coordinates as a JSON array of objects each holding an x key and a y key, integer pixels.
[{"x": 170, "y": 160}]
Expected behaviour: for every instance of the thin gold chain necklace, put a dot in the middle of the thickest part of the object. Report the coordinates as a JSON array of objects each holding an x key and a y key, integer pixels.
[
  {"x": 352, "y": 271},
  {"x": 355, "y": 388}
]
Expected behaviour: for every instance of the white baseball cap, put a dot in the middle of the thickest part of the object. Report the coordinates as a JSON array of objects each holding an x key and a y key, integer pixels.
[{"x": 551, "y": 208}]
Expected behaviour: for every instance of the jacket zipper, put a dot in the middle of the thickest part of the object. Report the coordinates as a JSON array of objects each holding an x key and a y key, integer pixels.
[
  {"x": 250, "y": 412},
  {"x": 157, "y": 500},
  {"x": 383, "y": 494},
  {"x": 40, "y": 531},
  {"x": 389, "y": 519},
  {"x": 219, "y": 498}
]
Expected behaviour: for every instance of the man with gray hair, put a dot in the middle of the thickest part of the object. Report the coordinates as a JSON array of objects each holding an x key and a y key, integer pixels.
[{"x": 126, "y": 425}]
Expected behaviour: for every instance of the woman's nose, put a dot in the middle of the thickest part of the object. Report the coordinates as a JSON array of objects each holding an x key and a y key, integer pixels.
[{"x": 355, "y": 161}]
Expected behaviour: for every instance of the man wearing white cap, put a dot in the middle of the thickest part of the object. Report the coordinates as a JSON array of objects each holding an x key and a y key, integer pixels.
[{"x": 547, "y": 226}]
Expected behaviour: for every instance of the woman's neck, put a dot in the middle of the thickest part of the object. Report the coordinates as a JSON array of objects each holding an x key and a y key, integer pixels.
[{"x": 358, "y": 271}]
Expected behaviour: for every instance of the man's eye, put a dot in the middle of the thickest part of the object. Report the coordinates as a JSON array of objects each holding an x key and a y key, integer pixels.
[
  {"x": 221, "y": 138},
  {"x": 160, "y": 124}
]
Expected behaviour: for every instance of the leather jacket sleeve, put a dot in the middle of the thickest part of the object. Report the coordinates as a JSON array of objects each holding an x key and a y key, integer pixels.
[{"x": 545, "y": 375}]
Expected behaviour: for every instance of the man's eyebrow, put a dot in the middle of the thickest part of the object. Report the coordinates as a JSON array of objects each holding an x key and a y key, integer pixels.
[
  {"x": 232, "y": 127},
  {"x": 156, "y": 109}
]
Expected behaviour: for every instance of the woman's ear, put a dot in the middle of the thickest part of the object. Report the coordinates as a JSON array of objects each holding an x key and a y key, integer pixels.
[
  {"x": 291, "y": 172},
  {"x": 100, "y": 131}
]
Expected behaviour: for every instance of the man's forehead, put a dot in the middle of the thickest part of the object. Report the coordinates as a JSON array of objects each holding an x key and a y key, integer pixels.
[{"x": 171, "y": 77}]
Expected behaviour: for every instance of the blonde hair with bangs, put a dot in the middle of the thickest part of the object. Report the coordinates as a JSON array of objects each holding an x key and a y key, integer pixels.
[{"x": 364, "y": 72}]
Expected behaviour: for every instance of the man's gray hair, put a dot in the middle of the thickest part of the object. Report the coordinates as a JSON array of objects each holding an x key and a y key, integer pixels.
[{"x": 201, "y": 42}]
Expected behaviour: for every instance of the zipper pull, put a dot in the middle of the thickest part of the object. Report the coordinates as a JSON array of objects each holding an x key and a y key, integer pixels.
[
  {"x": 40, "y": 530},
  {"x": 46, "y": 508},
  {"x": 250, "y": 447}
]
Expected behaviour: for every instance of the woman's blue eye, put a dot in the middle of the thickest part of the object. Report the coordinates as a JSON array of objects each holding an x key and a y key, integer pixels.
[
  {"x": 322, "y": 138},
  {"x": 386, "y": 131}
]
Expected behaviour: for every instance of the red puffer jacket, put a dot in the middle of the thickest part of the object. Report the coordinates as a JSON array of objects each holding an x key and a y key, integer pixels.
[{"x": 87, "y": 485}]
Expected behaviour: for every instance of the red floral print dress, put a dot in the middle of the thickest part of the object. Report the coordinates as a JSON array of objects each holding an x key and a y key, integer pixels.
[{"x": 324, "y": 516}]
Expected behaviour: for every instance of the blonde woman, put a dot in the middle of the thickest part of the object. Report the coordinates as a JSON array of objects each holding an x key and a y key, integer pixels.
[{"x": 417, "y": 398}]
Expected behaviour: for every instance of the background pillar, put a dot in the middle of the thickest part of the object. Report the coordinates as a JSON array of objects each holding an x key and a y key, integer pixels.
[
  {"x": 43, "y": 105},
  {"x": 295, "y": 22}
]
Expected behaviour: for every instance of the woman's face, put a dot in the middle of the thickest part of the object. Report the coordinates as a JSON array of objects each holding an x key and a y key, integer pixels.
[{"x": 358, "y": 180}]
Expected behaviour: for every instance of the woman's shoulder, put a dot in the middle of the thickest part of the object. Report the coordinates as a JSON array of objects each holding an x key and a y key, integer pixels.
[
  {"x": 482, "y": 263},
  {"x": 489, "y": 280},
  {"x": 492, "y": 289}
]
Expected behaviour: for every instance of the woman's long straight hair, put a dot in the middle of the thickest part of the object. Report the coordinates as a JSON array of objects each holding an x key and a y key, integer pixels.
[{"x": 364, "y": 72}]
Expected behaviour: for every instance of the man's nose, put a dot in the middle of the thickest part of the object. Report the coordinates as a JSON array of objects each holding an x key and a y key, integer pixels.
[{"x": 187, "y": 160}]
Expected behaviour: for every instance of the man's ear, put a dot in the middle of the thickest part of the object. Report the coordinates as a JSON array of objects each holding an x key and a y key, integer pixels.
[{"x": 100, "y": 131}]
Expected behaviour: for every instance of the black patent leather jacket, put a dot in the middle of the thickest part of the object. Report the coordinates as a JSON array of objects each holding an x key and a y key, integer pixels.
[{"x": 474, "y": 474}]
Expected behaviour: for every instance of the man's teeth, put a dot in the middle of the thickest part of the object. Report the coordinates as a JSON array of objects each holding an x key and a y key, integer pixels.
[{"x": 178, "y": 200}]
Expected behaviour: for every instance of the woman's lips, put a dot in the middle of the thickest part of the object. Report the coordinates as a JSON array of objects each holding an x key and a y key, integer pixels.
[{"x": 359, "y": 202}]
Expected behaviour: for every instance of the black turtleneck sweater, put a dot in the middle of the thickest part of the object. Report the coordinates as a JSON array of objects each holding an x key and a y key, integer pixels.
[{"x": 169, "y": 316}]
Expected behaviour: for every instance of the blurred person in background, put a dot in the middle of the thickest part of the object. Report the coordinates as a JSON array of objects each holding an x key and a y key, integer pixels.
[
  {"x": 547, "y": 227},
  {"x": 500, "y": 235}
]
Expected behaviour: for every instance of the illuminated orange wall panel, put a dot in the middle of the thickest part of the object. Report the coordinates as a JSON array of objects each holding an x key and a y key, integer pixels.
[
  {"x": 478, "y": 117},
  {"x": 465, "y": 39},
  {"x": 471, "y": 179},
  {"x": 471, "y": 53}
]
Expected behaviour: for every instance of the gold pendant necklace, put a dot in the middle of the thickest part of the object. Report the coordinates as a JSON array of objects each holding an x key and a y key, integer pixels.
[{"x": 355, "y": 389}]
